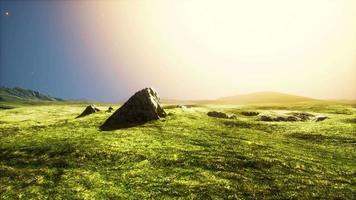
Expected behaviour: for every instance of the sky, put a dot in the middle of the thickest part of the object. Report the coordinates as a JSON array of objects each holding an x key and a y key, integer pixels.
[{"x": 189, "y": 49}]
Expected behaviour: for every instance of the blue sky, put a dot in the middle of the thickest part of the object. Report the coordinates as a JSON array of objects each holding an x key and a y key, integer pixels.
[
  {"x": 38, "y": 52},
  {"x": 107, "y": 49}
]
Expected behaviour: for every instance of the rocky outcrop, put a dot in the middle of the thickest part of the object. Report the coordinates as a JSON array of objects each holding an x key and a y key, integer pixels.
[
  {"x": 279, "y": 118},
  {"x": 292, "y": 117},
  {"x": 142, "y": 107}
]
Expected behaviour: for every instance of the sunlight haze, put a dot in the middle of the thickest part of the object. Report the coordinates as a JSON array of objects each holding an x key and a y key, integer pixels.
[{"x": 209, "y": 49}]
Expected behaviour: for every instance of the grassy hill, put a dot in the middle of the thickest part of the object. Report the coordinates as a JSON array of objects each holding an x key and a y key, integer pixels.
[
  {"x": 15, "y": 97},
  {"x": 45, "y": 153},
  {"x": 262, "y": 97},
  {"x": 252, "y": 98}
]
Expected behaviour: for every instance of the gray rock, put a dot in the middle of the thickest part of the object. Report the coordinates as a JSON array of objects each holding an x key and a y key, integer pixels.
[
  {"x": 110, "y": 109},
  {"x": 89, "y": 110},
  {"x": 220, "y": 115},
  {"x": 250, "y": 113},
  {"x": 142, "y": 107},
  {"x": 279, "y": 118},
  {"x": 266, "y": 118},
  {"x": 302, "y": 116},
  {"x": 182, "y": 106},
  {"x": 292, "y": 117}
]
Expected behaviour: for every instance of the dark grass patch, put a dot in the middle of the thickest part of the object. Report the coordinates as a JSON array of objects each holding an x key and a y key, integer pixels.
[
  {"x": 4, "y": 107},
  {"x": 5, "y": 132},
  {"x": 350, "y": 120},
  {"x": 33, "y": 157},
  {"x": 64, "y": 155},
  {"x": 342, "y": 111},
  {"x": 170, "y": 107},
  {"x": 183, "y": 105},
  {"x": 269, "y": 128},
  {"x": 195, "y": 106},
  {"x": 320, "y": 138},
  {"x": 227, "y": 161},
  {"x": 310, "y": 107}
]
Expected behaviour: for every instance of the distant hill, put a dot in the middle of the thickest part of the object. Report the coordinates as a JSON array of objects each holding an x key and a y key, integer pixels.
[
  {"x": 263, "y": 97},
  {"x": 258, "y": 97},
  {"x": 19, "y": 95}
]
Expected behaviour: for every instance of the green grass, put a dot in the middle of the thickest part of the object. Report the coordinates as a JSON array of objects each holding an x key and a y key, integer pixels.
[{"x": 45, "y": 153}]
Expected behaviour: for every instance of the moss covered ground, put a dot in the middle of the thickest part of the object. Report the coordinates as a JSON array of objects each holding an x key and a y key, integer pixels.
[{"x": 45, "y": 153}]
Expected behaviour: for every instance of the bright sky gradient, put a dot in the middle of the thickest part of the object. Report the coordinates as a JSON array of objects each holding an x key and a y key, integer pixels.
[{"x": 187, "y": 49}]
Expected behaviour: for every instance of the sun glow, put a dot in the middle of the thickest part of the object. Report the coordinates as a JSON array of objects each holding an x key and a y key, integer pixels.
[{"x": 207, "y": 49}]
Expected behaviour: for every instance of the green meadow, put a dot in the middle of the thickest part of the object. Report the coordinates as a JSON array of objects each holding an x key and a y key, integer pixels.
[{"x": 46, "y": 153}]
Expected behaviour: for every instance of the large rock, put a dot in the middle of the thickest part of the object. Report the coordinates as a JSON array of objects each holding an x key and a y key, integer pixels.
[
  {"x": 142, "y": 107},
  {"x": 89, "y": 110}
]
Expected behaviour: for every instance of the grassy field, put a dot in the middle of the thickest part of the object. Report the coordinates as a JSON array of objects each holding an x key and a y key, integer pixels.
[{"x": 45, "y": 153}]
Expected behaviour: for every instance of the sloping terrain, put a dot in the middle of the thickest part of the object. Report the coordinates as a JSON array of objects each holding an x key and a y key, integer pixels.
[
  {"x": 263, "y": 97},
  {"x": 45, "y": 153},
  {"x": 252, "y": 98},
  {"x": 19, "y": 95}
]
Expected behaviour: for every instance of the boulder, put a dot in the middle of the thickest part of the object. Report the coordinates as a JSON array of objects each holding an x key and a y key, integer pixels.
[
  {"x": 142, "y": 107},
  {"x": 89, "y": 110},
  {"x": 220, "y": 115}
]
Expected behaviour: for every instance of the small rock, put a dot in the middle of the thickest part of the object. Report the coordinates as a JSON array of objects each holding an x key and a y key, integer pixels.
[
  {"x": 266, "y": 118},
  {"x": 320, "y": 118},
  {"x": 220, "y": 115},
  {"x": 250, "y": 113},
  {"x": 89, "y": 110},
  {"x": 182, "y": 106},
  {"x": 110, "y": 109}
]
